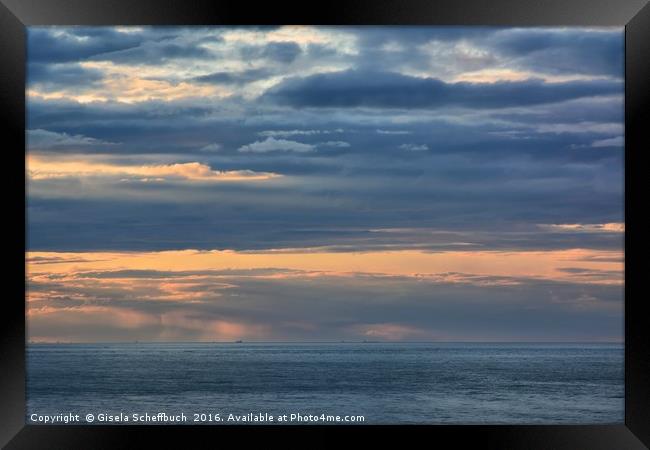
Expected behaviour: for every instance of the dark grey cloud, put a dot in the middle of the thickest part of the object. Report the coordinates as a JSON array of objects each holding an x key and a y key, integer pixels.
[
  {"x": 244, "y": 76},
  {"x": 392, "y": 90},
  {"x": 233, "y": 218},
  {"x": 591, "y": 110},
  {"x": 567, "y": 51},
  {"x": 56, "y": 45},
  {"x": 542, "y": 50},
  {"x": 144, "y": 45},
  {"x": 60, "y": 76},
  {"x": 500, "y": 158},
  {"x": 47, "y": 140},
  {"x": 283, "y": 52},
  {"x": 372, "y": 37},
  {"x": 154, "y": 53}
]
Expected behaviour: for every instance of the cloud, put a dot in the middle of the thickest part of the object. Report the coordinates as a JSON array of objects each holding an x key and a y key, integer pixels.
[
  {"x": 618, "y": 141},
  {"x": 56, "y": 45},
  {"x": 214, "y": 147},
  {"x": 45, "y": 140},
  {"x": 130, "y": 88},
  {"x": 561, "y": 51},
  {"x": 445, "y": 245},
  {"x": 337, "y": 144},
  {"x": 414, "y": 147},
  {"x": 581, "y": 127},
  {"x": 44, "y": 169},
  {"x": 393, "y": 132},
  {"x": 108, "y": 323},
  {"x": 395, "y": 332},
  {"x": 151, "y": 53},
  {"x": 592, "y": 274},
  {"x": 284, "y": 52},
  {"x": 60, "y": 76},
  {"x": 470, "y": 266},
  {"x": 288, "y": 133},
  {"x": 37, "y": 260},
  {"x": 272, "y": 145},
  {"x": 241, "y": 77},
  {"x": 393, "y": 90},
  {"x": 613, "y": 227},
  {"x": 492, "y": 170},
  {"x": 132, "y": 296}
]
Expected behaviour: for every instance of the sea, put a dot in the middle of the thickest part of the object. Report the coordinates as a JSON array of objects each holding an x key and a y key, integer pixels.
[{"x": 325, "y": 383}]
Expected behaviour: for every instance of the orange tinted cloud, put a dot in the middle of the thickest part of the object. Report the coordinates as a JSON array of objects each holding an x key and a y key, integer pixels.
[
  {"x": 536, "y": 264},
  {"x": 229, "y": 295},
  {"x": 131, "y": 89},
  {"x": 40, "y": 168},
  {"x": 53, "y": 324},
  {"x": 611, "y": 227}
]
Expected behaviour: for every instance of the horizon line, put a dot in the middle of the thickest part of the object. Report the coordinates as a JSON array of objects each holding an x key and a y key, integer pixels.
[{"x": 342, "y": 341}]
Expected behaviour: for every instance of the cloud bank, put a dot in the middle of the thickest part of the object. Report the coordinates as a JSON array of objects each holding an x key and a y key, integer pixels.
[{"x": 331, "y": 182}]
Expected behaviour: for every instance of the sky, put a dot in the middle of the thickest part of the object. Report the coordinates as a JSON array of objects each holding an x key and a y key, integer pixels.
[{"x": 302, "y": 183}]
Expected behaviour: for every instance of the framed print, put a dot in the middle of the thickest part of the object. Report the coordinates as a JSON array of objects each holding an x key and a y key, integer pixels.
[{"x": 366, "y": 217}]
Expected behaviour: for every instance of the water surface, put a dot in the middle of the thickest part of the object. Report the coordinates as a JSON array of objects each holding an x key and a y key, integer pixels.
[{"x": 400, "y": 383}]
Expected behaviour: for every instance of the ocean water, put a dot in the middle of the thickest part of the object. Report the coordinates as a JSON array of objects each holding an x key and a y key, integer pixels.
[{"x": 386, "y": 383}]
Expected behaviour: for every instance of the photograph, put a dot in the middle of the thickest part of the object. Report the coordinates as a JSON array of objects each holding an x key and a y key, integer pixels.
[
  {"x": 231, "y": 225},
  {"x": 359, "y": 220}
]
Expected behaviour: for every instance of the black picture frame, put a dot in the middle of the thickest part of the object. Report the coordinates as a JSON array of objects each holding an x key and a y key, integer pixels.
[{"x": 15, "y": 15}]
